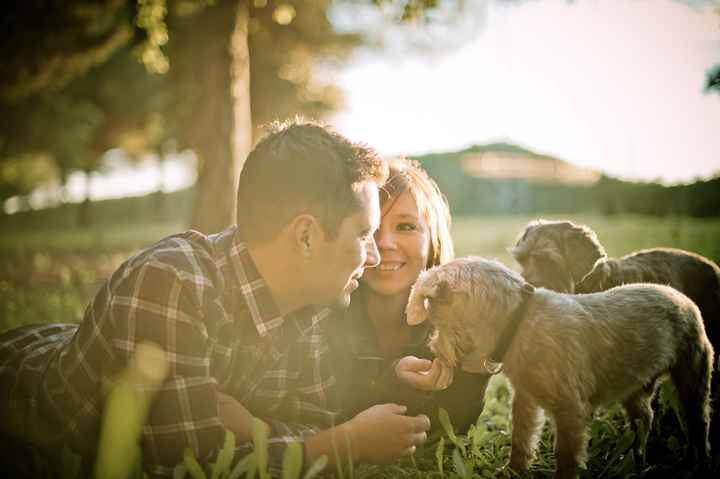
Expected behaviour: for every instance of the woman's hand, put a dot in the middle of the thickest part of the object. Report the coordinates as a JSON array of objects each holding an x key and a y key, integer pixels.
[{"x": 424, "y": 374}]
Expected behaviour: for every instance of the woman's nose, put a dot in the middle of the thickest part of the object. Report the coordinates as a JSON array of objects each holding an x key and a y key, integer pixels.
[{"x": 385, "y": 239}]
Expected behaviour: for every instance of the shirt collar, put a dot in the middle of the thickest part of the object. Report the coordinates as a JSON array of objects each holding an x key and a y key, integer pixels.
[
  {"x": 240, "y": 270},
  {"x": 241, "y": 273}
]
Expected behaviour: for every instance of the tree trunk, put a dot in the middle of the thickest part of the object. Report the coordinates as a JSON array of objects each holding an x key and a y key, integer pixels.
[
  {"x": 212, "y": 63},
  {"x": 159, "y": 197},
  {"x": 84, "y": 218},
  {"x": 243, "y": 131}
]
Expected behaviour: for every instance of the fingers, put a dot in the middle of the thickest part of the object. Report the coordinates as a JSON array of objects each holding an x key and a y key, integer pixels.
[
  {"x": 421, "y": 423},
  {"x": 395, "y": 408},
  {"x": 415, "y": 441},
  {"x": 418, "y": 439},
  {"x": 424, "y": 376},
  {"x": 411, "y": 363},
  {"x": 436, "y": 379},
  {"x": 409, "y": 451}
]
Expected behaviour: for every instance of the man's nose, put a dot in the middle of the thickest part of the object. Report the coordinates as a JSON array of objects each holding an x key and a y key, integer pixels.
[{"x": 373, "y": 256}]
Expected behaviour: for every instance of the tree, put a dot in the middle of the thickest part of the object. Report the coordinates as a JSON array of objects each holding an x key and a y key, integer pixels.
[
  {"x": 713, "y": 79},
  {"x": 48, "y": 43},
  {"x": 114, "y": 105},
  {"x": 210, "y": 61},
  {"x": 281, "y": 42}
]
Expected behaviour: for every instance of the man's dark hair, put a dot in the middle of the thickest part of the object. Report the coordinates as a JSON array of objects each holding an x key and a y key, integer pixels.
[{"x": 302, "y": 167}]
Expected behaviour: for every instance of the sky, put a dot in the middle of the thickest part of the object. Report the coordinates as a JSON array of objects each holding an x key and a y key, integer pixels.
[{"x": 615, "y": 85}]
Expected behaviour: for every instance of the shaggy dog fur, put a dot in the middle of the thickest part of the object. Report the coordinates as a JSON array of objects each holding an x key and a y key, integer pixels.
[
  {"x": 571, "y": 353},
  {"x": 566, "y": 257}
]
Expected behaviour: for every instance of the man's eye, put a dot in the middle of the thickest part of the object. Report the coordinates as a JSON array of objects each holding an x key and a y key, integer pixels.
[{"x": 406, "y": 227}]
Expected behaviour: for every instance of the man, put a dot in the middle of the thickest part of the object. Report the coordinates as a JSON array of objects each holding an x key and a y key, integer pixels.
[{"x": 238, "y": 316}]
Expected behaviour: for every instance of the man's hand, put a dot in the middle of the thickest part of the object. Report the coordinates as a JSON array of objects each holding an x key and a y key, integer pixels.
[
  {"x": 235, "y": 417},
  {"x": 382, "y": 434},
  {"x": 424, "y": 374}
]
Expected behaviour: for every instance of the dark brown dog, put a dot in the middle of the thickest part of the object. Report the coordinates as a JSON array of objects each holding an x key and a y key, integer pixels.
[{"x": 566, "y": 257}]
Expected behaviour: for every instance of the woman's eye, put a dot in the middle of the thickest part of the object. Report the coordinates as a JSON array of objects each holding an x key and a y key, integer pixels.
[{"x": 406, "y": 227}]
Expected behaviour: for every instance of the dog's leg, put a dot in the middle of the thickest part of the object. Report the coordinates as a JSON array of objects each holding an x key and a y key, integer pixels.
[
  {"x": 570, "y": 440},
  {"x": 691, "y": 375},
  {"x": 640, "y": 415},
  {"x": 527, "y": 422}
]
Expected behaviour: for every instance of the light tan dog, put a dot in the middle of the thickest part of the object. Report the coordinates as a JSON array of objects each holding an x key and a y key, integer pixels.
[{"x": 570, "y": 353}]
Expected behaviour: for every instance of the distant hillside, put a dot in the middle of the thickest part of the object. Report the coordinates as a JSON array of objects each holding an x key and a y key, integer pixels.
[
  {"x": 152, "y": 208},
  {"x": 502, "y": 178},
  {"x": 471, "y": 186},
  {"x": 507, "y": 161}
]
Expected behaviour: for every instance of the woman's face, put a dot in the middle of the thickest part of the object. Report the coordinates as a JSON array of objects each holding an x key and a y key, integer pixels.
[{"x": 403, "y": 241}]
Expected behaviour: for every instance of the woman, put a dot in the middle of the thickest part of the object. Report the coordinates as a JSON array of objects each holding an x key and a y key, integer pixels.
[{"x": 378, "y": 356}]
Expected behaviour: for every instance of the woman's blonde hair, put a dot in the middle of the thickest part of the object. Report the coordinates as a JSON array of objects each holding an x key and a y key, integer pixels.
[{"x": 408, "y": 175}]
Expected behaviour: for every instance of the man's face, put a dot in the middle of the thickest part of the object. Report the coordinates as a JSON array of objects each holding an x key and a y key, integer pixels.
[{"x": 350, "y": 252}]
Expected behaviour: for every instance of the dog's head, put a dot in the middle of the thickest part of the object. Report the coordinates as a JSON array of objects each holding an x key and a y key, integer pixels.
[
  {"x": 557, "y": 254},
  {"x": 467, "y": 301}
]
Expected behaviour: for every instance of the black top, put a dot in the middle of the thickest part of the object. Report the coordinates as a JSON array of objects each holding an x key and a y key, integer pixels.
[{"x": 365, "y": 377}]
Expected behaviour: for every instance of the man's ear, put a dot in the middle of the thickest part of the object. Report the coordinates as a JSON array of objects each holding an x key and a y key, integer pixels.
[{"x": 305, "y": 233}]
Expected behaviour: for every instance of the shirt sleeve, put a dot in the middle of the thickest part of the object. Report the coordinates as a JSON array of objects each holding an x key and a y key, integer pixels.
[
  {"x": 161, "y": 304},
  {"x": 282, "y": 434}
]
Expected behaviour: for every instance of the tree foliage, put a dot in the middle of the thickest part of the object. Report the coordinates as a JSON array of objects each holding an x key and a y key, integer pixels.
[
  {"x": 713, "y": 79},
  {"x": 117, "y": 103},
  {"x": 285, "y": 59},
  {"x": 46, "y": 44}
]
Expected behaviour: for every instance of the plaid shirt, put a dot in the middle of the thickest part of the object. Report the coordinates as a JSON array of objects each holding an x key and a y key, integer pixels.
[{"x": 203, "y": 301}]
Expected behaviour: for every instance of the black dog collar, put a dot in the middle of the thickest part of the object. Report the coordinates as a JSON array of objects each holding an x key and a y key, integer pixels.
[{"x": 493, "y": 364}]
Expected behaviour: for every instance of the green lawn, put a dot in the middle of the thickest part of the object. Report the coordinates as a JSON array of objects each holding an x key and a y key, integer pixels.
[
  {"x": 491, "y": 236},
  {"x": 49, "y": 276}
]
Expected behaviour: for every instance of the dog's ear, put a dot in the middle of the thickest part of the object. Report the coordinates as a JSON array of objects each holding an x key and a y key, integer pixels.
[
  {"x": 443, "y": 292},
  {"x": 518, "y": 253},
  {"x": 582, "y": 250},
  {"x": 420, "y": 300},
  {"x": 417, "y": 308}
]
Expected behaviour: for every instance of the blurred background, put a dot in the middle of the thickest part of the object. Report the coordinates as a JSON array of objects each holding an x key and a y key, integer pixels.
[{"x": 123, "y": 121}]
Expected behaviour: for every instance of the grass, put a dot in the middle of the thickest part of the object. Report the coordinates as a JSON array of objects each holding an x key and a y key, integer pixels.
[
  {"x": 50, "y": 274},
  {"x": 491, "y": 236}
]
